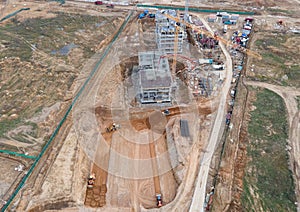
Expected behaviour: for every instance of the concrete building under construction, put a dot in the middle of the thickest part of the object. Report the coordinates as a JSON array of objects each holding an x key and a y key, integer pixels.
[
  {"x": 166, "y": 32},
  {"x": 155, "y": 80}
]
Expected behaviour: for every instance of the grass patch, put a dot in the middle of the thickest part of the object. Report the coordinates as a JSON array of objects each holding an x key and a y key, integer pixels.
[
  {"x": 278, "y": 58},
  {"x": 293, "y": 72},
  {"x": 7, "y": 125},
  {"x": 267, "y": 172},
  {"x": 47, "y": 34},
  {"x": 272, "y": 58}
]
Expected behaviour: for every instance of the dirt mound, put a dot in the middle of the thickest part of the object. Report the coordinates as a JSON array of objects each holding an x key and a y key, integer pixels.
[
  {"x": 157, "y": 122},
  {"x": 103, "y": 112},
  {"x": 140, "y": 124}
]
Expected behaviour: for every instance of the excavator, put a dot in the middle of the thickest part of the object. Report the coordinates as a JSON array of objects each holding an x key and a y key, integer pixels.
[
  {"x": 112, "y": 127},
  {"x": 91, "y": 180}
]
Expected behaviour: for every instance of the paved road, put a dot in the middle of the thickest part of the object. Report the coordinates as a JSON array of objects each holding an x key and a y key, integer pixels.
[{"x": 199, "y": 194}]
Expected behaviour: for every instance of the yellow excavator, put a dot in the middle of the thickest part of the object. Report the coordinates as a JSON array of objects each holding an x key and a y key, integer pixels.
[
  {"x": 112, "y": 127},
  {"x": 91, "y": 180}
]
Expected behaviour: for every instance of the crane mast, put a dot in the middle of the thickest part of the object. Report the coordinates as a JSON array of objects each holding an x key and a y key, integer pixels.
[{"x": 175, "y": 44}]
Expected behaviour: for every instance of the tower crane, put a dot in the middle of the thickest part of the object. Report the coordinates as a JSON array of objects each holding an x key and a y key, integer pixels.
[
  {"x": 215, "y": 36},
  {"x": 175, "y": 44},
  {"x": 177, "y": 25}
]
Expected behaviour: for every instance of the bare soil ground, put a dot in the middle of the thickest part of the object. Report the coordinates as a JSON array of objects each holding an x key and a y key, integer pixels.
[
  {"x": 11, "y": 175},
  {"x": 147, "y": 155},
  {"x": 229, "y": 182},
  {"x": 142, "y": 136}
]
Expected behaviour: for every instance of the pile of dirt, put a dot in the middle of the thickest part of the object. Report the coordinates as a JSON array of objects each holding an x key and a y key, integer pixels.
[
  {"x": 140, "y": 124},
  {"x": 95, "y": 197},
  {"x": 127, "y": 67}
]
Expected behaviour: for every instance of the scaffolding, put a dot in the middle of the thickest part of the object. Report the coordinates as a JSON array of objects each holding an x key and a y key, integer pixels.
[
  {"x": 154, "y": 78},
  {"x": 165, "y": 32}
]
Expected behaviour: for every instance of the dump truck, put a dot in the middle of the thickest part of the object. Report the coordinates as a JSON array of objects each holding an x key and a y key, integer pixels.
[
  {"x": 91, "y": 180},
  {"x": 158, "y": 200}
]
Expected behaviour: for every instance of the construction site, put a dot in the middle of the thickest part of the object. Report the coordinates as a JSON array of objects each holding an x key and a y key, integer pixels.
[{"x": 132, "y": 106}]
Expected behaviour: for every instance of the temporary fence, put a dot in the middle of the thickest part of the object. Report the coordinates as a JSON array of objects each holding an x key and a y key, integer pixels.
[
  {"x": 13, "y": 14},
  {"x": 17, "y": 154},
  {"x": 193, "y": 9}
]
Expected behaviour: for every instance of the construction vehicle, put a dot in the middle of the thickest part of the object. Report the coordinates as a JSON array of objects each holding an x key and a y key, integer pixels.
[
  {"x": 110, "y": 6},
  {"x": 91, "y": 180},
  {"x": 218, "y": 67},
  {"x": 144, "y": 14},
  {"x": 151, "y": 15},
  {"x": 141, "y": 16},
  {"x": 98, "y": 2},
  {"x": 228, "y": 117},
  {"x": 209, "y": 199},
  {"x": 112, "y": 127},
  {"x": 215, "y": 36},
  {"x": 225, "y": 28},
  {"x": 232, "y": 93},
  {"x": 158, "y": 200},
  {"x": 279, "y": 22},
  {"x": 166, "y": 112}
]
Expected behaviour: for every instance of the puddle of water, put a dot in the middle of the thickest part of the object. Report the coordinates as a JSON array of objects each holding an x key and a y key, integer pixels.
[
  {"x": 100, "y": 24},
  {"x": 64, "y": 50}
]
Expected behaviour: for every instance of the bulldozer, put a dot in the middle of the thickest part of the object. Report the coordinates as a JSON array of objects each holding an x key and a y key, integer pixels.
[{"x": 112, "y": 127}]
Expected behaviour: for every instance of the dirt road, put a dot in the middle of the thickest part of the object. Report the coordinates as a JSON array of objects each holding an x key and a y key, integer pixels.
[
  {"x": 200, "y": 190},
  {"x": 289, "y": 94}
]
